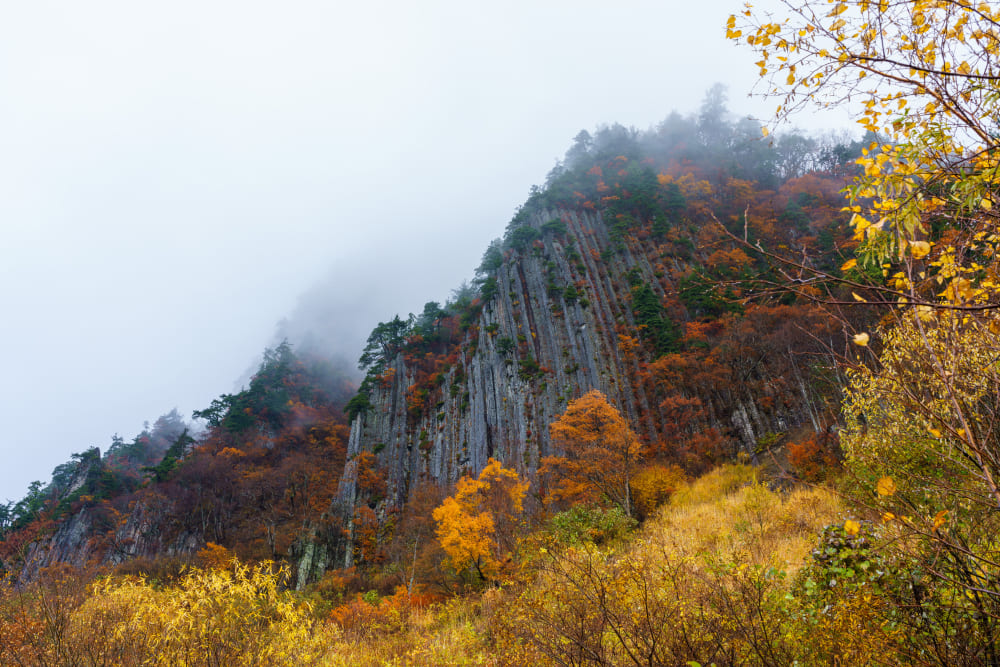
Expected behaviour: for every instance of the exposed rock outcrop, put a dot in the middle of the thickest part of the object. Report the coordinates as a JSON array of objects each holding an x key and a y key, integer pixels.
[{"x": 559, "y": 322}]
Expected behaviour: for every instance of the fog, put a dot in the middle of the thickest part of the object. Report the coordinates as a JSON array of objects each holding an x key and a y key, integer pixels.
[{"x": 177, "y": 179}]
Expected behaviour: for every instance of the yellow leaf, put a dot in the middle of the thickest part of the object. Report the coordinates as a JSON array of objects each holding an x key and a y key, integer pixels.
[
  {"x": 858, "y": 298},
  {"x": 940, "y": 518},
  {"x": 888, "y": 516},
  {"x": 861, "y": 339},
  {"x": 849, "y": 264},
  {"x": 851, "y": 527},
  {"x": 765, "y": 131},
  {"x": 986, "y": 204},
  {"x": 919, "y": 249},
  {"x": 960, "y": 289},
  {"x": 859, "y": 223},
  {"x": 885, "y": 486}
]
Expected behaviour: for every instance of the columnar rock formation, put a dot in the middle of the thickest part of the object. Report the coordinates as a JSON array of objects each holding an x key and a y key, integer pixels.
[{"x": 559, "y": 323}]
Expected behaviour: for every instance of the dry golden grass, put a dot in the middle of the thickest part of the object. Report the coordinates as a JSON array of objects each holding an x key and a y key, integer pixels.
[
  {"x": 713, "y": 485},
  {"x": 705, "y": 580},
  {"x": 731, "y": 515},
  {"x": 449, "y": 634}
]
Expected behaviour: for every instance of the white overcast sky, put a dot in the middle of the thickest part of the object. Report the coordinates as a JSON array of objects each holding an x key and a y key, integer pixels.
[{"x": 174, "y": 176}]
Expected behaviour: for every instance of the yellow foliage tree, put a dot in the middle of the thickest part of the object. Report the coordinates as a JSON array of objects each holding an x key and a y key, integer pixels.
[
  {"x": 212, "y": 617},
  {"x": 925, "y": 75},
  {"x": 922, "y": 438},
  {"x": 653, "y": 485},
  {"x": 215, "y": 617},
  {"x": 601, "y": 452},
  {"x": 477, "y": 525},
  {"x": 923, "y": 411}
]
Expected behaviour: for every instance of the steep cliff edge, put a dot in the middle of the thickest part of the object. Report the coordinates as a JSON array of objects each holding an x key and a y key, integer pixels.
[
  {"x": 581, "y": 305},
  {"x": 529, "y": 351}
]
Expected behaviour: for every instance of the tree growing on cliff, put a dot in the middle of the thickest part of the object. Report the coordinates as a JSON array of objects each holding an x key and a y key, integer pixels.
[
  {"x": 477, "y": 527},
  {"x": 161, "y": 471},
  {"x": 384, "y": 342},
  {"x": 601, "y": 453}
]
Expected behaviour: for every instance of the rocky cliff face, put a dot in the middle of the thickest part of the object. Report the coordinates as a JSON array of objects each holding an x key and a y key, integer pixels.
[
  {"x": 86, "y": 537},
  {"x": 530, "y": 351},
  {"x": 562, "y": 320}
]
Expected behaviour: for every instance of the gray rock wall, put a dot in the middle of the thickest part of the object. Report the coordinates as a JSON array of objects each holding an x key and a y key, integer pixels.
[{"x": 499, "y": 411}]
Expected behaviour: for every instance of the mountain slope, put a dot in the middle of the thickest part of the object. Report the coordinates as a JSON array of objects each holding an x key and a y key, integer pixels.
[
  {"x": 628, "y": 288},
  {"x": 618, "y": 275}
]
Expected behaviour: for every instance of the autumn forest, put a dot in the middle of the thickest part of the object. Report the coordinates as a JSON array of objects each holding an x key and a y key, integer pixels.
[{"x": 722, "y": 393}]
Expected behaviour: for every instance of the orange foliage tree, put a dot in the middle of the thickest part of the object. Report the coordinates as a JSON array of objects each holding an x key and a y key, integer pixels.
[
  {"x": 601, "y": 452},
  {"x": 477, "y": 526}
]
